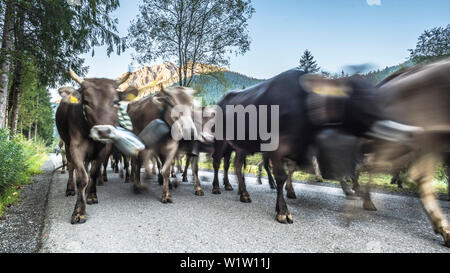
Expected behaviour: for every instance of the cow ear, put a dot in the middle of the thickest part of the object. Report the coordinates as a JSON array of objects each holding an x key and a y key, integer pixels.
[
  {"x": 159, "y": 101},
  {"x": 325, "y": 87},
  {"x": 129, "y": 94},
  {"x": 191, "y": 92},
  {"x": 66, "y": 91},
  {"x": 74, "y": 97}
]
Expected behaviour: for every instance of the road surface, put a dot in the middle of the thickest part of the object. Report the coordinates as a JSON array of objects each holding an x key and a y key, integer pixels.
[{"x": 125, "y": 222}]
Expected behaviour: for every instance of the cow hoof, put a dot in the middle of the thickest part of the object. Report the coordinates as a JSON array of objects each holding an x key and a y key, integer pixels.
[
  {"x": 285, "y": 218},
  {"x": 291, "y": 195},
  {"x": 175, "y": 184},
  {"x": 369, "y": 206},
  {"x": 185, "y": 179},
  {"x": 63, "y": 172},
  {"x": 92, "y": 200},
  {"x": 245, "y": 199},
  {"x": 318, "y": 180},
  {"x": 105, "y": 179},
  {"x": 446, "y": 235},
  {"x": 166, "y": 199},
  {"x": 70, "y": 193},
  {"x": 78, "y": 219},
  {"x": 199, "y": 192},
  {"x": 137, "y": 189},
  {"x": 273, "y": 187},
  {"x": 216, "y": 191},
  {"x": 228, "y": 187}
]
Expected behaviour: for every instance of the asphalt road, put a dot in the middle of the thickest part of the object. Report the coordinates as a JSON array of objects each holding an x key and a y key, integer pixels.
[{"x": 125, "y": 222}]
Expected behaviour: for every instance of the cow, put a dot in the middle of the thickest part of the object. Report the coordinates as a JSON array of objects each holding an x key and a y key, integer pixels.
[
  {"x": 207, "y": 114},
  {"x": 307, "y": 105},
  {"x": 160, "y": 106},
  {"x": 418, "y": 96},
  {"x": 95, "y": 103}
]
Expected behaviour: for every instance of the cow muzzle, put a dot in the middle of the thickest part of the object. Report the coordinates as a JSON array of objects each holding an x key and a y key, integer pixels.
[
  {"x": 393, "y": 131},
  {"x": 102, "y": 133}
]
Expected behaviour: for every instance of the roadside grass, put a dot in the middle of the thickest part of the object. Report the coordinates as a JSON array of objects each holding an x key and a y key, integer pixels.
[
  {"x": 20, "y": 160},
  {"x": 379, "y": 181}
]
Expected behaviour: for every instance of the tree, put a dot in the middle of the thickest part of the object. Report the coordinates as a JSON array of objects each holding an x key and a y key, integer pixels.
[
  {"x": 307, "y": 63},
  {"x": 5, "y": 59},
  {"x": 52, "y": 35},
  {"x": 190, "y": 33},
  {"x": 432, "y": 45}
]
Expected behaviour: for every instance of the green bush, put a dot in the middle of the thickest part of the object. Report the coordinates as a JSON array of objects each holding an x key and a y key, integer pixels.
[{"x": 19, "y": 160}]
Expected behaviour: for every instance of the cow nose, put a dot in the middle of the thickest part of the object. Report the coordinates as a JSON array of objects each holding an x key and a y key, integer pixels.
[{"x": 102, "y": 133}]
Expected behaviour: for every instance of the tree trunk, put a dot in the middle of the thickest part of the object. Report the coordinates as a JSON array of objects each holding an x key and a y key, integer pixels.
[
  {"x": 16, "y": 86},
  {"x": 29, "y": 132},
  {"x": 35, "y": 130},
  {"x": 5, "y": 62}
]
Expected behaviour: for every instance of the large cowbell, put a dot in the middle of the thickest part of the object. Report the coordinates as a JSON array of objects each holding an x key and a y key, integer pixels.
[
  {"x": 155, "y": 133},
  {"x": 337, "y": 154}
]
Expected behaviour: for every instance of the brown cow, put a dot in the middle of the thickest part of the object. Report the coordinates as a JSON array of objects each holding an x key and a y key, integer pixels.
[
  {"x": 95, "y": 104},
  {"x": 419, "y": 96},
  {"x": 143, "y": 112}
]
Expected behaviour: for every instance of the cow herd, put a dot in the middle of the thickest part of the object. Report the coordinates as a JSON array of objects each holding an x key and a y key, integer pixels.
[{"x": 332, "y": 127}]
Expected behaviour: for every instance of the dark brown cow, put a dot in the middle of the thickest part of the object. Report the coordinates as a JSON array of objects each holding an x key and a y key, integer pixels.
[
  {"x": 143, "y": 112},
  {"x": 349, "y": 105},
  {"x": 94, "y": 105},
  {"x": 419, "y": 96}
]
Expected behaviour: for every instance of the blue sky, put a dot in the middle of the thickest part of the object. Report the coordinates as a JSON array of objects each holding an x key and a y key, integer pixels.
[{"x": 338, "y": 32}]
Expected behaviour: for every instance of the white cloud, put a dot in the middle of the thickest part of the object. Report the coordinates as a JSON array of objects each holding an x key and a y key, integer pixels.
[{"x": 373, "y": 2}]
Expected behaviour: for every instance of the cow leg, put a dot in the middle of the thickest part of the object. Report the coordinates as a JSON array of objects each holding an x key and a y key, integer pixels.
[
  {"x": 260, "y": 166},
  {"x": 197, "y": 186},
  {"x": 126, "y": 165},
  {"x": 355, "y": 181},
  {"x": 290, "y": 192},
  {"x": 104, "y": 173},
  {"x": 318, "y": 175},
  {"x": 136, "y": 171},
  {"x": 283, "y": 214},
  {"x": 238, "y": 164},
  {"x": 216, "y": 166},
  {"x": 153, "y": 166},
  {"x": 92, "y": 187},
  {"x": 70, "y": 189},
  {"x": 422, "y": 171},
  {"x": 365, "y": 195},
  {"x": 349, "y": 194},
  {"x": 172, "y": 169},
  {"x": 64, "y": 162},
  {"x": 173, "y": 175},
  {"x": 268, "y": 171},
  {"x": 180, "y": 164},
  {"x": 77, "y": 156},
  {"x": 226, "y": 168},
  {"x": 170, "y": 151},
  {"x": 186, "y": 166}
]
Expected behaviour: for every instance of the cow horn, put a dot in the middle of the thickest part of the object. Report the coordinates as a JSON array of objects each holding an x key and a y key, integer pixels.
[
  {"x": 123, "y": 79},
  {"x": 75, "y": 77},
  {"x": 393, "y": 131},
  {"x": 164, "y": 91}
]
